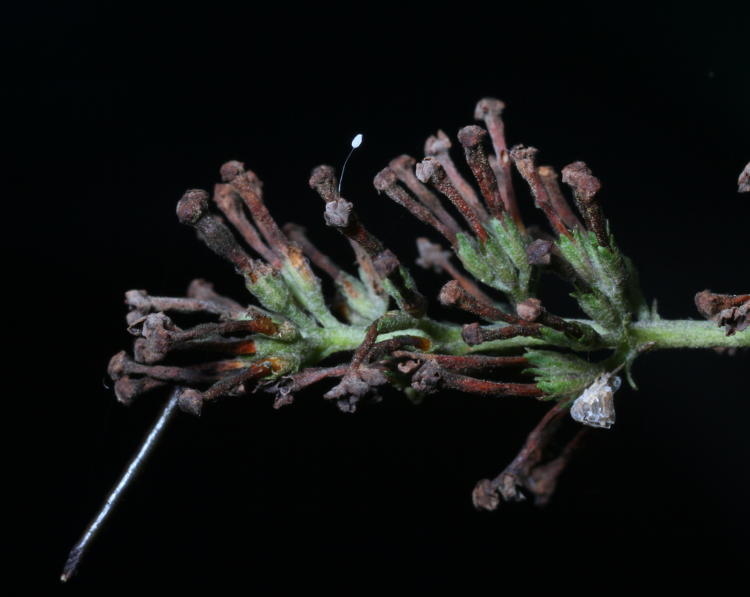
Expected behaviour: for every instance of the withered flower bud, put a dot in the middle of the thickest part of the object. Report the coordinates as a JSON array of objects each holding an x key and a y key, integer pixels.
[
  {"x": 127, "y": 388},
  {"x": 585, "y": 187},
  {"x": 427, "y": 378},
  {"x": 355, "y": 385},
  {"x": 192, "y": 206},
  {"x": 191, "y": 401},
  {"x": 280, "y": 345},
  {"x": 231, "y": 170},
  {"x": 530, "y": 309},
  {"x": 578, "y": 175},
  {"x": 337, "y": 213},
  {"x": 731, "y": 311}
]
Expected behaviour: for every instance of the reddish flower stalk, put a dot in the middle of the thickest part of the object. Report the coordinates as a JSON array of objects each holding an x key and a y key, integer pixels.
[
  {"x": 386, "y": 182},
  {"x": 248, "y": 187},
  {"x": 557, "y": 199},
  {"x": 438, "y": 147},
  {"x": 463, "y": 364},
  {"x": 285, "y": 389},
  {"x": 121, "y": 365},
  {"x": 585, "y": 187},
  {"x": 471, "y": 138},
  {"x": 404, "y": 167},
  {"x": 161, "y": 336},
  {"x": 452, "y": 294},
  {"x": 531, "y": 310},
  {"x": 230, "y": 204},
  {"x": 431, "y": 376},
  {"x": 430, "y": 170},
  {"x": 192, "y": 210},
  {"x": 473, "y": 334},
  {"x": 280, "y": 346},
  {"x": 524, "y": 159},
  {"x": 529, "y": 471},
  {"x": 489, "y": 110},
  {"x": 191, "y": 400},
  {"x": 142, "y": 304}
]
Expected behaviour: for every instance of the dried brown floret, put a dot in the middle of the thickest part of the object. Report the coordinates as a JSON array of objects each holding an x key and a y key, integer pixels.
[{"x": 730, "y": 311}]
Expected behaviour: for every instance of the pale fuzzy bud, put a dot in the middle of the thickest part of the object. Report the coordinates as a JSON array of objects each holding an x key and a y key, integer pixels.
[{"x": 596, "y": 406}]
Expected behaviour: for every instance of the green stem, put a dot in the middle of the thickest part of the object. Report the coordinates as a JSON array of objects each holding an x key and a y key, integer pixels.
[
  {"x": 685, "y": 333},
  {"x": 446, "y": 339},
  {"x": 678, "y": 333}
]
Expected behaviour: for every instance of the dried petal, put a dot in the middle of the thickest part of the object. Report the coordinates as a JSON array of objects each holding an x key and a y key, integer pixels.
[
  {"x": 337, "y": 213},
  {"x": 191, "y": 401},
  {"x": 731, "y": 311},
  {"x": 484, "y": 496},
  {"x": 427, "y": 378},
  {"x": 354, "y": 386}
]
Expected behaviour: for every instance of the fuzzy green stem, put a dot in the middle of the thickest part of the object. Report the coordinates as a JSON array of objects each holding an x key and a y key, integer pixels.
[
  {"x": 685, "y": 333},
  {"x": 446, "y": 339}
]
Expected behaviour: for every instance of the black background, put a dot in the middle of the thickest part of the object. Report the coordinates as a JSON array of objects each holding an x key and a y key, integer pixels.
[{"x": 654, "y": 100}]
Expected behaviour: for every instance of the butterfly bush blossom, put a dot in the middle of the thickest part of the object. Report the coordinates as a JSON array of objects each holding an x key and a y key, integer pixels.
[{"x": 376, "y": 329}]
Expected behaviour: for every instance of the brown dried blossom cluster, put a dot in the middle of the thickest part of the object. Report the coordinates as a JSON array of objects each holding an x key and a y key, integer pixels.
[
  {"x": 240, "y": 194},
  {"x": 227, "y": 361},
  {"x": 380, "y": 317},
  {"x": 227, "y": 358},
  {"x": 225, "y": 351}
]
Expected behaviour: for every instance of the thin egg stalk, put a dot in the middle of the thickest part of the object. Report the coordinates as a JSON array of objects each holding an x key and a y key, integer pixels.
[{"x": 356, "y": 142}]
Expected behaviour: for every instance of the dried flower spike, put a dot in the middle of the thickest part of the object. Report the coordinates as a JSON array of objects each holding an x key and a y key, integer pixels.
[{"x": 378, "y": 332}]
